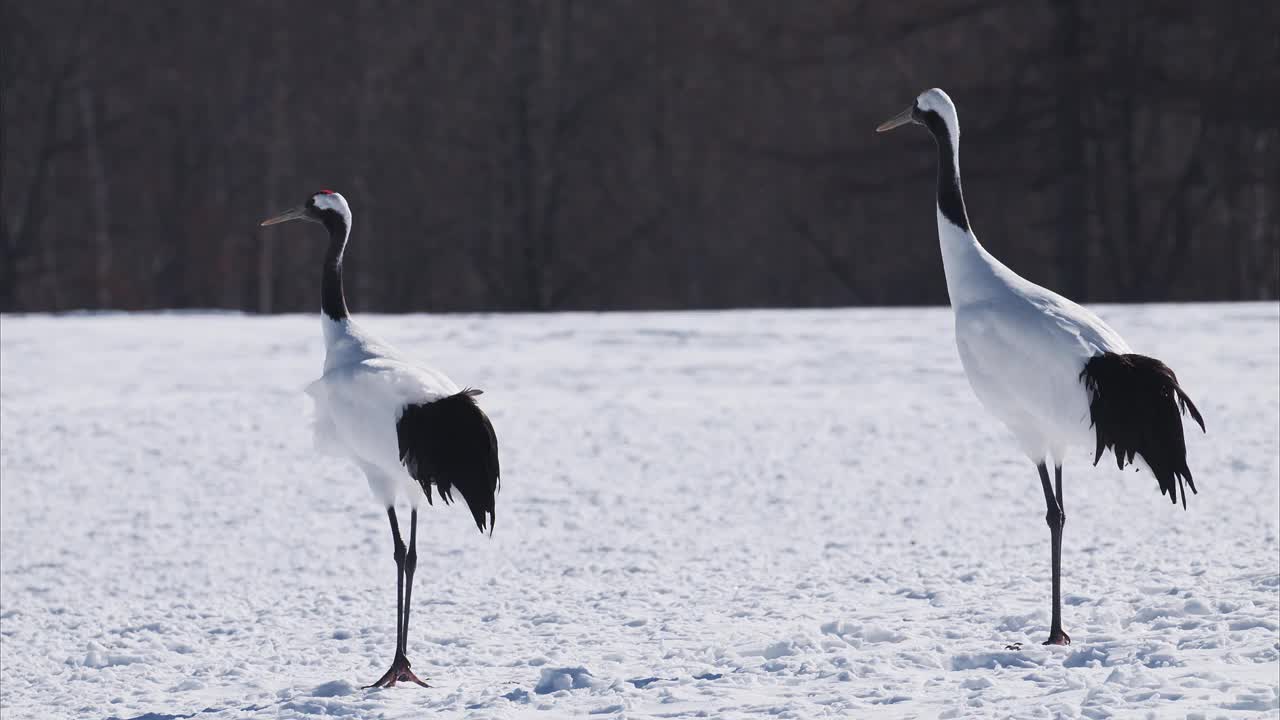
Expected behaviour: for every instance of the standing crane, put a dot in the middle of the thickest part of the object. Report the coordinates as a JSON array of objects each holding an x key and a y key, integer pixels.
[
  {"x": 406, "y": 426},
  {"x": 1053, "y": 372}
]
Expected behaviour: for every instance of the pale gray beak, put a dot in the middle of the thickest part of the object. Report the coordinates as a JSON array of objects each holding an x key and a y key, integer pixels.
[
  {"x": 898, "y": 120},
  {"x": 298, "y": 213}
]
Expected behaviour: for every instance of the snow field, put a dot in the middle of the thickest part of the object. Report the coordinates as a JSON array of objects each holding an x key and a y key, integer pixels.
[{"x": 735, "y": 514}]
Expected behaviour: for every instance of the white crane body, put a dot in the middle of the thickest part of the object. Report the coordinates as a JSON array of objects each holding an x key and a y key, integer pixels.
[
  {"x": 1052, "y": 371},
  {"x": 1022, "y": 347},
  {"x": 360, "y": 398},
  {"x": 407, "y": 427}
]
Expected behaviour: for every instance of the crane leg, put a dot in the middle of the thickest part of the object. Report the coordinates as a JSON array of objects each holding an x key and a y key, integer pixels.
[
  {"x": 410, "y": 563},
  {"x": 1056, "y": 517},
  {"x": 399, "y": 670}
]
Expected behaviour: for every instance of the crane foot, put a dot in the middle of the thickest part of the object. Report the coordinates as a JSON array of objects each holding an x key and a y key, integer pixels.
[
  {"x": 1058, "y": 637},
  {"x": 399, "y": 672}
]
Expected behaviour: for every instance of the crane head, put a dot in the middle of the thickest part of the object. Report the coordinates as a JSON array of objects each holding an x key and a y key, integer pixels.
[
  {"x": 323, "y": 207},
  {"x": 931, "y": 107}
]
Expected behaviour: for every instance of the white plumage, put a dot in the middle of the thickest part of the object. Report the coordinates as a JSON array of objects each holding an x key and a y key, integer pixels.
[
  {"x": 1023, "y": 348},
  {"x": 359, "y": 399}
]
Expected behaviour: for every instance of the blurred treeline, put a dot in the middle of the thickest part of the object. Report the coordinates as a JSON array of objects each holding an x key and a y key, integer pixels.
[{"x": 598, "y": 154}]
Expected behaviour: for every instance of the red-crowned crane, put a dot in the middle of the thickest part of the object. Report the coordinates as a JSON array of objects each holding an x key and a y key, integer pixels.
[
  {"x": 408, "y": 427},
  {"x": 1050, "y": 370}
]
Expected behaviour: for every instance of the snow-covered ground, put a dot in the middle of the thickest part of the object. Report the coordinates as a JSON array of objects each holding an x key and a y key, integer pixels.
[{"x": 781, "y": 513}]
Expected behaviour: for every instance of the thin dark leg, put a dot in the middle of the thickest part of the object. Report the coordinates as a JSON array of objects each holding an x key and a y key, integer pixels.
[
  {"x": 400, "y": 665},
  {"x": 1056, "y": 518},
  {"x": 1057, "y": 481},
  {"x": 410, "y": 563},
  {"x": 399, "y": 554},
  {"x": 1057, "y": 558}
]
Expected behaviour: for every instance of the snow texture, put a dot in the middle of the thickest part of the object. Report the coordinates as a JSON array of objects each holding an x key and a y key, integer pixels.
[{"x": 776, "y": 513}]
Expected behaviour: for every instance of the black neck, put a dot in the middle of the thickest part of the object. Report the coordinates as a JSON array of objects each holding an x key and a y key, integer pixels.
[
  {"x": 950, "y": 198},
  {"x": 332, "y": 301}
]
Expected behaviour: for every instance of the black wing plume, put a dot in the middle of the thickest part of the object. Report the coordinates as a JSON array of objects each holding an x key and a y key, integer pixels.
[
  {"x": 1136, "y": 408},
  {"x": 451, "y": 443}
]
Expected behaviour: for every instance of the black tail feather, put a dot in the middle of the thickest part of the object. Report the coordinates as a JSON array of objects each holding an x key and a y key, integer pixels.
[
  {"x": 451, "y": 443},
  {"x": 1136, "y": 408}
]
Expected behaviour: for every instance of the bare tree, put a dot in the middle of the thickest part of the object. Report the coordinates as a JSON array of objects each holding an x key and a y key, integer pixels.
[{"x": 551, "y": 154}]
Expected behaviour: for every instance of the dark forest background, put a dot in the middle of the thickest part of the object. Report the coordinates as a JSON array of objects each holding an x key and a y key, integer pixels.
[{"x": 600, "y": 154}]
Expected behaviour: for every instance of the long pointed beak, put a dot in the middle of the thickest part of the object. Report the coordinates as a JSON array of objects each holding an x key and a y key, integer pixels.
[
  {"x": 898, "y": 120},
  {"x": 298, "y": 213}
]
